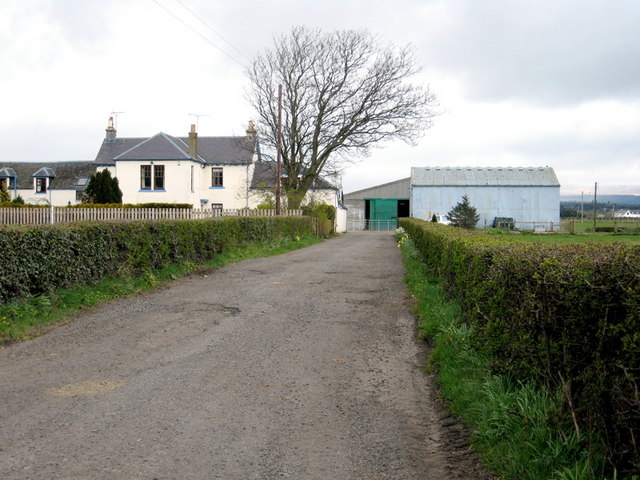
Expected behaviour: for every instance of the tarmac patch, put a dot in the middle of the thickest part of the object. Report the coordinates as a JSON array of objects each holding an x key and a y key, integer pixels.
[{"x": 86, "y": 389}]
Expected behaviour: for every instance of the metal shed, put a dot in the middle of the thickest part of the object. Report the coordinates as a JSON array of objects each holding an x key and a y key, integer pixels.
[
  {"x": 378, "y": 207},
  {"x": 529, "y": 195}
]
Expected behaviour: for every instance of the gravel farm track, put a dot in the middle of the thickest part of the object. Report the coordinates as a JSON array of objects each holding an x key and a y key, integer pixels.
[{"x": 299, "y": 366}]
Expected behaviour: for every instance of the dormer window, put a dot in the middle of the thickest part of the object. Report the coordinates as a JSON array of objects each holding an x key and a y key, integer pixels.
[
  {"x": 41, "y": 184},
  {"x": 42, "y": 179}
]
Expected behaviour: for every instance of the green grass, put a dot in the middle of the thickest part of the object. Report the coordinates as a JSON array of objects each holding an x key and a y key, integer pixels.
[
  {"x": 21, "y": 320},
  {"x": 605, "y": 238},
  {"x": 586, "y": 226},
  {"x": 520, "y": 431},
  {"x": 627, "y": 239}
]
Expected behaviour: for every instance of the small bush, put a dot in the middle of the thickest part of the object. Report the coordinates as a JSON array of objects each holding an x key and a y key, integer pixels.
[{"x": 325, "y": 214}]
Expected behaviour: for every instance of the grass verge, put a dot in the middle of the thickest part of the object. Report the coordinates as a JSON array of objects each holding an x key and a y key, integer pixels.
[
  {"x": 21, "y": 320},
  {"x": 520, "y": 431}
]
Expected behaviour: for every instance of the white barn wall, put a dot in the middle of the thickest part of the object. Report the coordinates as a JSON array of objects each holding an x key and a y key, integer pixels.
[
  {"x": 523, "y": 204},
  {"x": 529, "y": 195}
]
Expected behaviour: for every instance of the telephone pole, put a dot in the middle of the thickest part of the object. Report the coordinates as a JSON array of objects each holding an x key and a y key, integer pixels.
[
  {"x": 279, "y": 153},
  {"x": 595, "y": 206}
]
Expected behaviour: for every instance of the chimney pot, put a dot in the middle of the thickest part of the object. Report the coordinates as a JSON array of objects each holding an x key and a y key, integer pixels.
[
  {"x": 111, "y": 132},
  {"x": 193, "y": 142},
  {"x": 251, "y": 130}
]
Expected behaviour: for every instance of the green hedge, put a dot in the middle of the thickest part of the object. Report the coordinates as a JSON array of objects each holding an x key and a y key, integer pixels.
[
  {"x": 99, "y": 205},
  {"x": 37, "y": 260},
  {"x": 564, "y": 316},
  {"x": 15, "y": 204}
]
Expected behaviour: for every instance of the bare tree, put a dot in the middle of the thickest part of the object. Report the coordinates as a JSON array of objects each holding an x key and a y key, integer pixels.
[{"x": 343, "y": 93}]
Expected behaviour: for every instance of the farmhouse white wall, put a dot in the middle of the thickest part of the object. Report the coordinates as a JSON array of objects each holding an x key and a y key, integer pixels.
[
  {"x": 59, "y": 197},
  {"x": 186, "y": 182},
  {"x": 234, "y": 193}
]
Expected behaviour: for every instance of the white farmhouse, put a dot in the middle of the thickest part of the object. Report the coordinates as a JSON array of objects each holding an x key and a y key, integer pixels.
[
  {"x": 206, "y": 172},
  {"x": 627, "y": 214}
]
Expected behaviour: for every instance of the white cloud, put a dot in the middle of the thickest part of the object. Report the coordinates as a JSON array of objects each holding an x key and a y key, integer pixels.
[
  {"x": 545, "y": 52},
  {"x": 522, "y": 83}
]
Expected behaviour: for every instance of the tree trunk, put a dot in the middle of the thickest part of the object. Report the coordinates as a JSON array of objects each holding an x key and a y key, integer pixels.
[{"x": 294, "y": 198}]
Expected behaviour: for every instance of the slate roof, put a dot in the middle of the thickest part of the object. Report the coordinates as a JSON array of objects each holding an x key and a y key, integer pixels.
[
  {"x": 68, "y": 175},
  {"x": 211, "y": 150},
  {"x": 158, "y": 147},
  {"x": 484, "y": 176},
  {"x": 45, "y": 172},
  {"x": 264, "y": 176}
]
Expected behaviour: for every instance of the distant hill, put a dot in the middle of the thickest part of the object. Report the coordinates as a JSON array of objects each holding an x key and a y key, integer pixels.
[{"x": 630, "y": 200}]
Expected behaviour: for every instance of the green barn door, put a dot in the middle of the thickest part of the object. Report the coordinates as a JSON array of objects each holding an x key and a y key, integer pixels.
[{"x": 383, "y": 213}]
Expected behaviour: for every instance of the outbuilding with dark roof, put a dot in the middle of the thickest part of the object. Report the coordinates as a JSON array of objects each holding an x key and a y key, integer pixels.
[{"x": 38, "y": 182}]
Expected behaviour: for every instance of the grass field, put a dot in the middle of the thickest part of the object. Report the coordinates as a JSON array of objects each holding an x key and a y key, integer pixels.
[
  {"x": 586, "y": 226},
  {"x": 627, "y": 239}
]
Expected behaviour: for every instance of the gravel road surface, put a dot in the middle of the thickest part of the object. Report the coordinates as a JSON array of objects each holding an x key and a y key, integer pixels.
[{"x": 301, "y": 366}]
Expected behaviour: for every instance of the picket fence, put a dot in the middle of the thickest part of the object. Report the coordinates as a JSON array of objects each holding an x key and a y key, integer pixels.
[{"x": 43, "y": 216}]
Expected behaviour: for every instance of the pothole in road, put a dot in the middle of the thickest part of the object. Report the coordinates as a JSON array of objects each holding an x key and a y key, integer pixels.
[{"x": 203, "y": 307}]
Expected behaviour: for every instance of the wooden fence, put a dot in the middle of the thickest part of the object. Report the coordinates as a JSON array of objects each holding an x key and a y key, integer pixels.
[{"x": 43, "y": 216}]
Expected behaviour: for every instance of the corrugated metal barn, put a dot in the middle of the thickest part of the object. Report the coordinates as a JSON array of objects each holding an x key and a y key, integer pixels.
[
  {"x": 378, "y": 207},
  {"x": 530, "y": 196}
]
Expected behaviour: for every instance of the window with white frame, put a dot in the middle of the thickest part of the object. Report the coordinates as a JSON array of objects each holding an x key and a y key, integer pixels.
[
  {"x": 145, "y": 177},
  {"x": 216, "y": 177},
  {"x": 158, "y": 177},
  {"x": 151, "y": 177}
]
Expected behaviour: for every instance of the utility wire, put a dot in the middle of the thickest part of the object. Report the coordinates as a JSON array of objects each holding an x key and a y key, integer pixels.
[
  {"x": 213, "y": 29},
  {"x": 199, "y": 34}
]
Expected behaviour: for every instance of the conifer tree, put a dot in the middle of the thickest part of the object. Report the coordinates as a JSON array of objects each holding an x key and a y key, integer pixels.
[
  {"x": 103, "y": 188},
  {"x": 463, "y": 215},
  {"x": 4, "y": 194}
]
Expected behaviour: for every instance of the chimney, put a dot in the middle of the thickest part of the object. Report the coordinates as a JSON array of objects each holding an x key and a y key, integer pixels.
[
  {"x": 193, "y": 142},
  {"x": 251, "y": 131},
  {"x": 111, "y": 132}
]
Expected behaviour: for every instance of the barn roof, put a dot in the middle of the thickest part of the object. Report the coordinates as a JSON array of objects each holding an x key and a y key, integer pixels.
[
  {"x": 484, "y": 176},
  {"x": 395, "y": 189}
]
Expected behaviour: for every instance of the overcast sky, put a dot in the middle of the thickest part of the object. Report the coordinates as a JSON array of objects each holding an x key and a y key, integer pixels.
[{"x": 520, "y": 82}]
